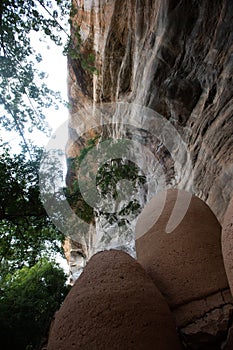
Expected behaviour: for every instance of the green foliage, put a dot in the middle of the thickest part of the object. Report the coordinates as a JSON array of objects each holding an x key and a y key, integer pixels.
[
  {"x": 115, "y": 170},
  {"x": 73, "y": 49},
  {"x": 26, "y": 233},
  {"x": 78, "y": 204},
  {"x": 31, "y": 287},
  {"x": 28, "y": 300},
  {"x": 107, "y": 178},
  {"x": 90, "y": 144},
  {"x": 73, "y": 193},
  {"x": 109, "y": 174},
  {"x": 23, "y": 93}
]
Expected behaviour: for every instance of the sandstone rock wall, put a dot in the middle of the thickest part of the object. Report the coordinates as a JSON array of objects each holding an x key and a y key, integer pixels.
[{"x": 174, "y": 57}]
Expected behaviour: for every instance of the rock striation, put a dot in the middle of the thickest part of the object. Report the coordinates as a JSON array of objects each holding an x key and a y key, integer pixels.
[
  {"x": 75, "y": 257},
  {"x": 113, "y": 305},
  {"x": 174, "y": 57},
  {"x": 187, "y": 266}
]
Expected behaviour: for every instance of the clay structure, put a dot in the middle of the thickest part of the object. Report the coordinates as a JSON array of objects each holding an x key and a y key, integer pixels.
[
  {"x": 180, "y": 290},
  {"x": 114, "y": 305},
  {"x": 187, "y": 266}
]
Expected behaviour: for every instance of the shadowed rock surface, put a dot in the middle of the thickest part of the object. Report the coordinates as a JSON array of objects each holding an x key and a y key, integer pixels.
[
  {"x": 187, "y": 266},
  {"x": 227, "y": 243},
  {"x": 174, "y": 57},
  {"x": 113, "y": 305}
]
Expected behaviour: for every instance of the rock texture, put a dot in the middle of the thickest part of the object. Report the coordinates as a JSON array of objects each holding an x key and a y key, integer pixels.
[
  {"x": 174, "y": 57},
  {"x": 187, "y": 267},
  {"x": 113, "y": 305},
  {"x": 75, "y": 258},
  {"x": 227, "y": 243}
]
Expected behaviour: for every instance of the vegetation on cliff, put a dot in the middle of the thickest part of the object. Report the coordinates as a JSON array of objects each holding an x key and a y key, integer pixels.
[{"x": 106, "y": 180}]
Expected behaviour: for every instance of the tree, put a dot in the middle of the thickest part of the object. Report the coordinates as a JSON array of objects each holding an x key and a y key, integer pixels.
[
  {"x": 23, "y": 92},
  {"x": 32, "y": 286},
  {"x": 28, "y": 300},
  {"x": 26, "y": 233},
  {"x": 106, "y": 179}
]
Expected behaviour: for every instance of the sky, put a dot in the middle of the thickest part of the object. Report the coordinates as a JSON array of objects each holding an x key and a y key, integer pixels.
[{"x": 54, "y": 63}]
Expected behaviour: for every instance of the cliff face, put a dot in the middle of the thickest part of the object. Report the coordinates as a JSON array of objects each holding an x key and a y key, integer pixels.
[{"x": 174, "y": 57}]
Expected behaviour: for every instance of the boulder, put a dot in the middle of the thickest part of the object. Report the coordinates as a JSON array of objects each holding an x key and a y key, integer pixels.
[
  {"x": 113, "y": 305},
  {"x": 187, "y": 266}
]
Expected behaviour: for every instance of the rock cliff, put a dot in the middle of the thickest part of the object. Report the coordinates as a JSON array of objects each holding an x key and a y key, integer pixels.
[{"x": 174, "y": 57}]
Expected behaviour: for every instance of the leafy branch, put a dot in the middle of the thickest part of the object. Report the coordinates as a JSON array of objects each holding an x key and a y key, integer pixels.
[
  {"x": 23, "y": 93},
  {"x": 26, "y": 233},
  {"x": 107, "y": 178},
  {"x": 73, "y": 49}
]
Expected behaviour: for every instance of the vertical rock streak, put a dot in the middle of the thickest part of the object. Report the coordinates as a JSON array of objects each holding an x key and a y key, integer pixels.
[{"x": 174, "y": 57}]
